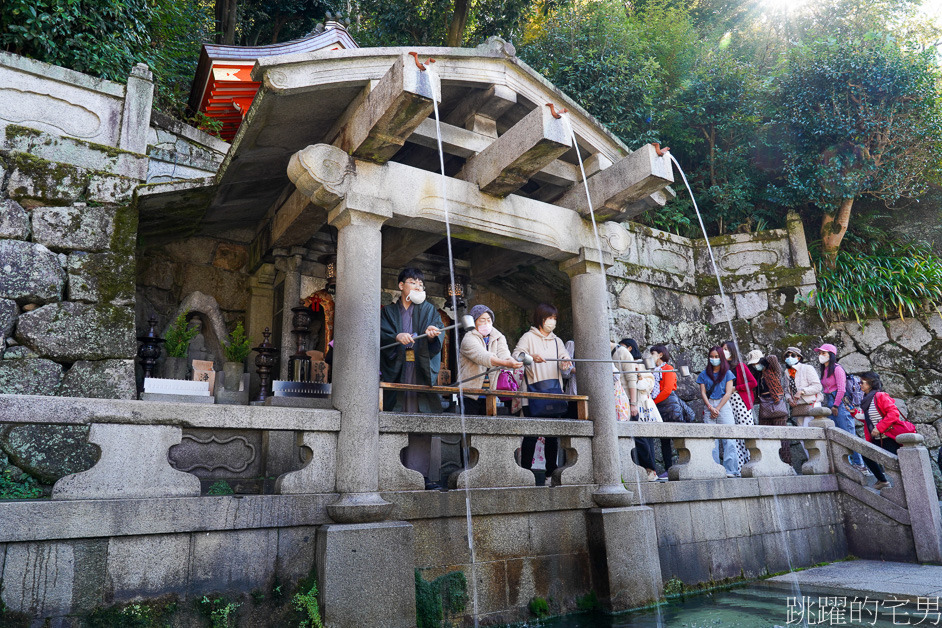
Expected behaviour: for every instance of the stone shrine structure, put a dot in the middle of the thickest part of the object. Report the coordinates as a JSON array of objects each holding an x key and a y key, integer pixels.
[{"x": 112, "y": 213}]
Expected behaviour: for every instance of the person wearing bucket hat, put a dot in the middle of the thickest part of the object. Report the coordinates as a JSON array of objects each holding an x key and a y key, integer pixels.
[
  {"x": 752, "y": 363},
  {"x": 804, "y": 387},
  {"x": 833, "y": 385},
  {"x": 482, "y": 348}
]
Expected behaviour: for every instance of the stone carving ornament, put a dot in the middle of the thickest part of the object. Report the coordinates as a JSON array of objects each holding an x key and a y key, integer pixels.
[
  {"x": 233, "y": 454},
  {"x": 323, "y": 173}
]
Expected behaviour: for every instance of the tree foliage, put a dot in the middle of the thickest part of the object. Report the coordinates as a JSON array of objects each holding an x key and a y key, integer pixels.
[{"x": 862, "y": 117}]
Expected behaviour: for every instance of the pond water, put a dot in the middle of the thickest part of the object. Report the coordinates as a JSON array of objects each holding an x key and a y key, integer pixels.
[{"x": 760, "y": 606}]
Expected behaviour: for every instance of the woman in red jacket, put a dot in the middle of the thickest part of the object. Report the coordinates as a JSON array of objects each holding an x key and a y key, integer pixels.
[
  {"x": 743, "y": 397},
  {"x": 666, "y": 399},
  {"x": 883, "y": 421}
]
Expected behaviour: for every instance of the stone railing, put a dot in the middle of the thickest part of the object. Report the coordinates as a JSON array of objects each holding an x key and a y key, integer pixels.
[
  {"x": 694, "y": 443},
  {"x": 492, "y": 443},
  {"x": 910, "y": 499},
  {"x": 135, "y": 439}
]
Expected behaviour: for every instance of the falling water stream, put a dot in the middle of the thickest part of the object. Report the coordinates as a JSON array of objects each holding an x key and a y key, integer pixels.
[
  {"x": 465, "y": 450},
  {"x": 608, "y": 314},
  {"x": 729, "y": 320},
  {"x": 598, "y": 243}
]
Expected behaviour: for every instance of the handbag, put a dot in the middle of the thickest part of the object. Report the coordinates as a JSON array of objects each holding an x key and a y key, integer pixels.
[
  {"x": 506, "y": 381},
  {"x": 802, "y": 409},
  {"x": 772, "y": 409},
  {"x": 547, "y": 407},
  {"x": 622, "y": 403}
]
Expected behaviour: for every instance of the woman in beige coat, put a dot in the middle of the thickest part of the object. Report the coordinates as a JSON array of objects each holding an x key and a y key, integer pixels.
[
  {"x": 482, "y": 348},
  {"x": 541, "y": 343}
]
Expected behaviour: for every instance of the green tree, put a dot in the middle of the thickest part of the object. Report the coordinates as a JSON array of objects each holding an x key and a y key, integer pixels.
[
  {"x": 861, "y": 117},
  {"x": 714, "y": 126},
  {"x": 106, "y": 38},
  {"x": 439, "y": 22},
  {"x": 596, "y": 54}
]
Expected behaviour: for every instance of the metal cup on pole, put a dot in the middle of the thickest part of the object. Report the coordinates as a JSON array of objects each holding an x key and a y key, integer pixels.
[{"x": 465, "y": 322}]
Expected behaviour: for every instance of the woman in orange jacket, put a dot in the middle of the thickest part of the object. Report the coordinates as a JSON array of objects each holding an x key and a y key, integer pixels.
[{"x": 666, "y": 399}]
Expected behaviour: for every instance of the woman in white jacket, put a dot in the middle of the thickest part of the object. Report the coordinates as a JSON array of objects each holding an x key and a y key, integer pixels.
[
  {"x": 541, "y": 343},
  {"x": 803, "y": 387},
  {"x": 482, "y": 348}
]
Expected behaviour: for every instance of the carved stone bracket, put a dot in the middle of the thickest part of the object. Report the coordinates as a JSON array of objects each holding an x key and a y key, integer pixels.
[
  {"x": 578, "y": 467},
  {"x": 393, "y": 476},
  {"x": 695, "y": 460},
  {"x": 764, "y": 460},
  {"x": 320, "y": 473},
  {"x": 322, "y": 173},
  {"x": 133, "y": 463},
  {"x": 492, "y": 464}
]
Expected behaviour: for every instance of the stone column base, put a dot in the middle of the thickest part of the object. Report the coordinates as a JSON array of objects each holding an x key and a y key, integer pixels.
[
  {"x": 366, "y": 574},
  {"x": 626, "y": 568}
]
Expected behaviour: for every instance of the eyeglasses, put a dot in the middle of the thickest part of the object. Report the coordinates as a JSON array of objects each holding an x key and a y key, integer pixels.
[{"x": 419, "y": 285}]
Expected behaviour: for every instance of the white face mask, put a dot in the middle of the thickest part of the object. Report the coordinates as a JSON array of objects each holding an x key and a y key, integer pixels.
[
  {"x": 485, "y": 329},
  {"x": 727, "y": 354},
  {"x": 715, "y": 361},
  {"x": 791, "y": 360},
  {"x": 416, "y": 296},
  {"x": 549, "y": 325},
  {"x": 759, "y": 367},
  {"x": 823, "y": 358}
]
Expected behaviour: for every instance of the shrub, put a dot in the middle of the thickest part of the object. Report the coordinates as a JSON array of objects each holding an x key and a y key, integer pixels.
[
  {"x": 896, "y": 279},
  {"x": 306, "y": 603},
  {"x": 539, "y": 607},
  {"x": 237, "y": 346},
  {"x": 178, "y": 337}
]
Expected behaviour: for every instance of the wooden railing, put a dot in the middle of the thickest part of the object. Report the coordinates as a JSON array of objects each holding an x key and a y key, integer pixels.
[{"x": 490, "y": 396}]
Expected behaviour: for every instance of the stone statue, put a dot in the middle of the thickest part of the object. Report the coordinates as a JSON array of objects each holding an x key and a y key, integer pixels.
[{"x": 197, "y": 350}]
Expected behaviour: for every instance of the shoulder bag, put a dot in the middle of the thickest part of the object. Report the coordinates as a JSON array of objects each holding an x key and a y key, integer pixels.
[{"x": 547, "y": 407}]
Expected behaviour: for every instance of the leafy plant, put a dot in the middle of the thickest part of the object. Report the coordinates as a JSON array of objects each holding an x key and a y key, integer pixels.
[
  {"x": 588, "y": 602},
  {"x": 237, "y": 347},
  {"x": 539, "y": 607},
  {"x": 178, "y": 337},
  {"x": 674, "y": 586},
  {"x": 26, "y": 489},
  {"x": 220, "y": 611},
  {"x": 306, "y": 603},
  {"x": 895, "y": 280},
  {"x": 220, "y": 487}
]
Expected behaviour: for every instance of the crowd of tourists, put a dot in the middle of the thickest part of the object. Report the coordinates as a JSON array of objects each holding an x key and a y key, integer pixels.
[{"x": 757, "y": 389}]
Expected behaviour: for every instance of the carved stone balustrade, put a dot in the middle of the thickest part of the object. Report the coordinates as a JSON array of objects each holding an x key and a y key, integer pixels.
[
  {"x": 135, "y": 439},
  {"x": 492, "y": 443},
  {"x": 695, "y": 441}
]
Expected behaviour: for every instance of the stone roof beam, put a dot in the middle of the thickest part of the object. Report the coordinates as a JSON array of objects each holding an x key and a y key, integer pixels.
[
  {"x": 380, "y": 123},
  {"x": 529, "y": 146},
  {"x": 615, "y": 189},
  {"x": 401, "y": 246}
]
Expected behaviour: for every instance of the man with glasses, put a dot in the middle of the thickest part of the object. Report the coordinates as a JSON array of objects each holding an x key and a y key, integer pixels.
[{"x": 413, "y": 361}]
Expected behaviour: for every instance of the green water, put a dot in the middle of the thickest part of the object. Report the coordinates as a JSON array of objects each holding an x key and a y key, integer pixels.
[{"x": 756, "y": 606}]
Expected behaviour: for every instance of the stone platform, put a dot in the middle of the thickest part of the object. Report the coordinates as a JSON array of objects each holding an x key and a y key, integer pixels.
[{"x": 874, "y": 578}]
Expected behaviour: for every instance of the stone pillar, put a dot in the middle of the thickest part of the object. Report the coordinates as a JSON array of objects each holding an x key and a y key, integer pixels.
[
  {"x": 589, "y": 309},
  {"x": 626, "y": 566},
  {"x": 258, "y": 316},
  {"x": 138, "y": 102},
  {"x": 797, "y": 244},
  {"x": 355, "y": 390},
  {"x": 921, "y": 499},
  {"x": 366, "y": 574},
  {"x": 291, "y": 265}
]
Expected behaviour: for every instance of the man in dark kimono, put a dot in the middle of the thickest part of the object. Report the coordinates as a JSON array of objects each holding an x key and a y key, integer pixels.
[{"x": 412, "y": 361}]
